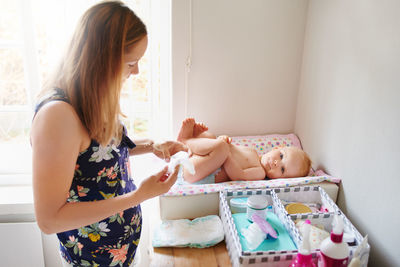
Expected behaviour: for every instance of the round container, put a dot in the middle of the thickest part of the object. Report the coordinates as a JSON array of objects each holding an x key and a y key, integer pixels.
[
  {"x": 295, "y": 208},
  {"x": 257, "y": 204},
  {"x": 238, "y": 205}
]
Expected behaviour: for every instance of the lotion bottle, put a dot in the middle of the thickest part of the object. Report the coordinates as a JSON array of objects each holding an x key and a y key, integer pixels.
[
  {"x": 333, "y": 251},
  {"x": 304, "y": 257}
]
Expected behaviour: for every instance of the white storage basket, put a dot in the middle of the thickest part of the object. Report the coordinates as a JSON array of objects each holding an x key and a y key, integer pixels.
[{"x": 305, "y": 194}]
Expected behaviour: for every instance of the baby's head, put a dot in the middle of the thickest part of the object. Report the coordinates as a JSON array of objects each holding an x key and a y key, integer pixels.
[{"x": 286, "y": 162}]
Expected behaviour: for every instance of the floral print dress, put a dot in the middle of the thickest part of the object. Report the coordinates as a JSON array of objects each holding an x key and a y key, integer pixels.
[{"x": 102, "y": 173}]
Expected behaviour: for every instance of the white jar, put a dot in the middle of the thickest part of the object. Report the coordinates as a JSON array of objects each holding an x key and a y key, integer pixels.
[{"x": 257, "y": 204}]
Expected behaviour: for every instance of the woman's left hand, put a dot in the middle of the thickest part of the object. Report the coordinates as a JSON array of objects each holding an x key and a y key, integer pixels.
[{"x": 166, "y": 149}]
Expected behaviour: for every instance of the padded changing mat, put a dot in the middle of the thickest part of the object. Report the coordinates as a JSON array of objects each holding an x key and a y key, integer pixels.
[{"x": 187, "y": 190}]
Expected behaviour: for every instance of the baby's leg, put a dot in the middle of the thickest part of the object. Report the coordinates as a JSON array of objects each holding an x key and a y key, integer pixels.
[
  {"x": 208, "y": 156},
  {"x": 206, "y": 134},
  {"x": 204, "y": 146}
]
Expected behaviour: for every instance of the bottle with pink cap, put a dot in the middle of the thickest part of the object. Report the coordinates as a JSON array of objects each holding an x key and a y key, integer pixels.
[
  {"x": 333, "y": 251},
  {"x": 304, "y": 257}
]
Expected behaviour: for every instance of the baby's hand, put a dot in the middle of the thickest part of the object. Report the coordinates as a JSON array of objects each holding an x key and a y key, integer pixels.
[{"x": 225, "y": 138}]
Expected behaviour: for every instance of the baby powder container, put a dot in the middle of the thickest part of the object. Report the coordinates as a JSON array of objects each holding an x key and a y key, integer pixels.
[
  {"x": 257, "y": 205},
  {"x": 333, "y": 251}
]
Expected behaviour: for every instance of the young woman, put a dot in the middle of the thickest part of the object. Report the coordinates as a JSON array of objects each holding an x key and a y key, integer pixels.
[{"x": 82, "y": 186}]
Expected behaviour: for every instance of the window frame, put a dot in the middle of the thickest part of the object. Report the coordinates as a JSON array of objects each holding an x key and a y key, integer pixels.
[{"x": 158, "y": 109}]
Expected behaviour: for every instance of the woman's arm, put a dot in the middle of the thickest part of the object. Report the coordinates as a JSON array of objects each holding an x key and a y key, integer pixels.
[
  {"x": 143, "y": 146},
  {"x": 74, "y": 215},
  {"x": 162, "y": 150},
  {"x": 57, "y": 137}
]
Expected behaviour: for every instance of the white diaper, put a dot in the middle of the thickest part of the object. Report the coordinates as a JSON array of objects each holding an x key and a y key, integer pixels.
[{"x": 199, "y": 233}]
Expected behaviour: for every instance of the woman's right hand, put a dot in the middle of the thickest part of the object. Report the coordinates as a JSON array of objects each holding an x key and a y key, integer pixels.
[{"x": 158, "y": 184}]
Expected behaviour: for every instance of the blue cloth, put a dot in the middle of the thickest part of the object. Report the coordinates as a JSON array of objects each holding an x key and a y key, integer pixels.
[
  {"x": 102, "y": 173},
  {"x": 283, "y": 242}
]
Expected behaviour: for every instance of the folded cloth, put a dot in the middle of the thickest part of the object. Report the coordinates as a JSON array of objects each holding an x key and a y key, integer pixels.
[
  {"x": 199, "y": 233},
  {"x": 317, "y": 234}
]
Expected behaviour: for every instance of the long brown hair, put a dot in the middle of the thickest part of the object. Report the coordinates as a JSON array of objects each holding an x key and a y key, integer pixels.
[{"x": 90, "y": 73}]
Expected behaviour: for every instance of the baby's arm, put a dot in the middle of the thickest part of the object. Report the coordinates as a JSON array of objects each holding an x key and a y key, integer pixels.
[{"x": 237, "y": 173}]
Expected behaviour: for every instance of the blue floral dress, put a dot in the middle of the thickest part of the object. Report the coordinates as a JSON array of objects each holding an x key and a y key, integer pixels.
[{"x": 102, "y": 173}]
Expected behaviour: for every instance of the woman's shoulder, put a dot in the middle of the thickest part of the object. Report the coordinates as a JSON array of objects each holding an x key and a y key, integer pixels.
[
  {"x": 60, "y": 119},
  {"x": 56, "y": 111}
]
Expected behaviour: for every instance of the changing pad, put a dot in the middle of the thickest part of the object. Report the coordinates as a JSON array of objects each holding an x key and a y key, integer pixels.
[
  {"x": 200, "y": 189},
  {"x": 199, "y": 233},
  {"x": 262, "y": 144}
]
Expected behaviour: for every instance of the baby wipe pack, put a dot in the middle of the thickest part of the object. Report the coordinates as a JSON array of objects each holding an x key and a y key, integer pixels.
[{"x": 199, "y": 233}]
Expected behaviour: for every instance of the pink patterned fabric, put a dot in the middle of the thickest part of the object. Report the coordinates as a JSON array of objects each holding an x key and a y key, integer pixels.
[
  {"x": 184, "y": 190},
  {"x": 264, "y": 143}
]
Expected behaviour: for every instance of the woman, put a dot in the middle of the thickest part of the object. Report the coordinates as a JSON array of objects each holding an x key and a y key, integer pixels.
[{"x": 81, "y": 178}]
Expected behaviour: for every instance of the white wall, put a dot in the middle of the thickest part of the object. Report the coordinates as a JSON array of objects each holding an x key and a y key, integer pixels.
[
  {"x": 246, "y": 58},
  {"x": 21, "y": 244},
  {"x": 348, "y": 114}
]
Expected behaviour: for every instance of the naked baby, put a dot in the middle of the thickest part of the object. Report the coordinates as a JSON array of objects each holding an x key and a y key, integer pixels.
[{"x": 211, "y": 154}]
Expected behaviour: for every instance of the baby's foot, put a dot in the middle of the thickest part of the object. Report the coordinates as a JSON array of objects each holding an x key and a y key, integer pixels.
[
  {"x": 186, "y": 130},
  {"x": 199, "y": 128}
]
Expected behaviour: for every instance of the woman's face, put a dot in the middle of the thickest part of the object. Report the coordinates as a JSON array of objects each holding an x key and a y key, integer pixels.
[{"x": 132, "y": 57}]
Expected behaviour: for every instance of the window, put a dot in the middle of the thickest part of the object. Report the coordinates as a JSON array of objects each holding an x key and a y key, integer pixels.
[{"x": 33, "y": 34}]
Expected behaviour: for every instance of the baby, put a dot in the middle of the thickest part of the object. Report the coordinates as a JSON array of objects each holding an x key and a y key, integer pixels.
[{"x": 211, "y": 154}]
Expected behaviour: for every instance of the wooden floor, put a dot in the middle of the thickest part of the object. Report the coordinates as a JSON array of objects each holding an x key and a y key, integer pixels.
[{"x": 191, "y": 257}]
